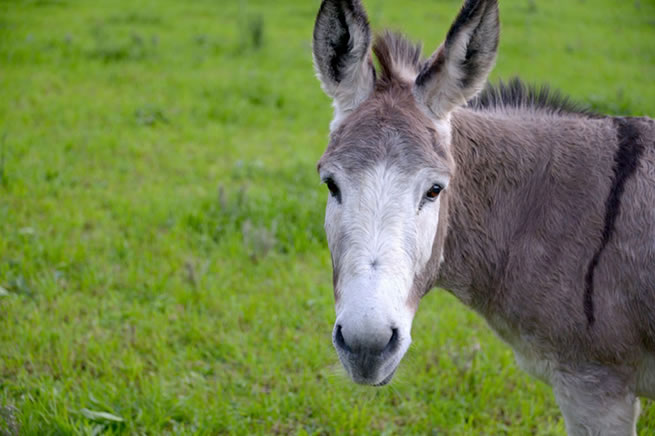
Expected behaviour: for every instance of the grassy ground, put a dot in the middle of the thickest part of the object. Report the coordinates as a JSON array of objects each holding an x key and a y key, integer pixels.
[{"x": 163, "y": 267}]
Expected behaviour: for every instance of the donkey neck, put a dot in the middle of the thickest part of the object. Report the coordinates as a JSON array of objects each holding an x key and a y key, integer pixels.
[{"x": 508, "y": 170}]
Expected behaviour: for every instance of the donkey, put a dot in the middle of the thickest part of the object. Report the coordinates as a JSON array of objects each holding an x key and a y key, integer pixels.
[{"x": 538, "y": 215}]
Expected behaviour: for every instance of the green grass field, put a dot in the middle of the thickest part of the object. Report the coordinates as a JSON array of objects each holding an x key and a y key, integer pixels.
[{"x": 163, "y": 268}]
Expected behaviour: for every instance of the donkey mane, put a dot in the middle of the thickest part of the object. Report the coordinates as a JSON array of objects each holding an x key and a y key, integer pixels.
[
  {"x": 516, "y": 94},
  {"x": 398, "y": 57}
]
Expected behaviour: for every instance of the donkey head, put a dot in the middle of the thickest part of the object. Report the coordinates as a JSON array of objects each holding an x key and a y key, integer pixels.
[{"x": 387, "y": 167}]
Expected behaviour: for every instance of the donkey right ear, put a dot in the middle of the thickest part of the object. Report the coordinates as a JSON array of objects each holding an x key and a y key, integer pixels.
[{"x": 341, "y": 49}]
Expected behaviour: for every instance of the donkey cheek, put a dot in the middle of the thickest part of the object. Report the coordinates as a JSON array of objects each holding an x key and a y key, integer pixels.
[
  {"x": 412, "y": 301},
  {"x": 335, "y": 280}
]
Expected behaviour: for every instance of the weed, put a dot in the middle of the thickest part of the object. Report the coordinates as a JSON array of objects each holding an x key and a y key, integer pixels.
[
  {"x": 254, "y": 31},
  {"x": 109, "y": 50},
  {"x": 8, "y": 421},
  {"x": 251, "y": 26},
  {"x": 532, "y": 6},
  {"x": 288, "y": 220},
  {"x": 135, "y": 19},
  {"x": 258, "y": 240},
  {"x": 150, "y": 115},
  {"x": 4, "y": 179}
]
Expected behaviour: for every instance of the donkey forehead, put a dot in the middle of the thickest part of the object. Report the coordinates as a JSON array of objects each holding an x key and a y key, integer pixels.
[{"x": 392, "y": 131}]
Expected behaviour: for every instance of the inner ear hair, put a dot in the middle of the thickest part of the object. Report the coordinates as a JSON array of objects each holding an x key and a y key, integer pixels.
[{"x": 341, "y": 42}]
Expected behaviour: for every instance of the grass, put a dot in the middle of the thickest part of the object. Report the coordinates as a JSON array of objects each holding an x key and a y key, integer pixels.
[{"x": 163, "y": 267}]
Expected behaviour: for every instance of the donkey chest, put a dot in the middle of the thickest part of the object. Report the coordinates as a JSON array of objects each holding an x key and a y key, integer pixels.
[
  {"x": 526, "y": 350},
  {"x": 537, "y": 366},
  {"x": 531, "y": 359}
]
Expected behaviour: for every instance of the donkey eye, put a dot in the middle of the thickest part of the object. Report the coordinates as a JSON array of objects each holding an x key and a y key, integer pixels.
[
  {"x": 433, "y": 192},
  {"x": 334, "y": 189}
]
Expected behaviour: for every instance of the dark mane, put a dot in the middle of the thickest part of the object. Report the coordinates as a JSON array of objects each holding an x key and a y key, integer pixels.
[
  {"x": 518, "y": 95},
  {"x": 397, "y": 55}
]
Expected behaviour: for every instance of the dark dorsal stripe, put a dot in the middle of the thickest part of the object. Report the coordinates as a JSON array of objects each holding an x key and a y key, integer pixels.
[{"x": 626, "y": 160}]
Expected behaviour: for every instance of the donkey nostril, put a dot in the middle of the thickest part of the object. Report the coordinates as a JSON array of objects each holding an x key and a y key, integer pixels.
[
  {"x": 393, "y": 342},
  {"x": 339, "y": 341}
]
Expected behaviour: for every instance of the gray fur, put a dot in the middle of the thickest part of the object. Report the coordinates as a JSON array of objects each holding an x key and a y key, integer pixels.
[{"x": 525, "y": 213}]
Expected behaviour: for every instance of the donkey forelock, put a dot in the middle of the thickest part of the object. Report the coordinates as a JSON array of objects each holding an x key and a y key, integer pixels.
[{"x": 400, "y": 59}]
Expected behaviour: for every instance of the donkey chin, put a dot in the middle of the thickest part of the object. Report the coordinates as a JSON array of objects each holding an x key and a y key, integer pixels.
[{"x": 370, "y": 341}]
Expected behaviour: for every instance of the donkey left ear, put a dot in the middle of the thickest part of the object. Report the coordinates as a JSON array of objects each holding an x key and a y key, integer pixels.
[
  {"x": 341, "y": 49},
  {"x": 459, "y": 68}
]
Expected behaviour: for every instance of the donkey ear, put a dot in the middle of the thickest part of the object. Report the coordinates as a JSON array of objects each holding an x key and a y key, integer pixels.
[
  {"x": 342, "y": 46},
  {"x": 458, "y": 70}
]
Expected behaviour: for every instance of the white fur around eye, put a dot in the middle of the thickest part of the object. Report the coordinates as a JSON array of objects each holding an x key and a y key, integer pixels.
[{"x": 427, "y": 222}]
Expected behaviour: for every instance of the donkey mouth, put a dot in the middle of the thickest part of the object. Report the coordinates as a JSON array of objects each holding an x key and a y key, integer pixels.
[
  {"x": 371, "y": 371},
  {"x": 386, "y": 380},
  {"x": 371, "y": 378}
]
